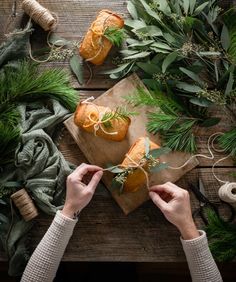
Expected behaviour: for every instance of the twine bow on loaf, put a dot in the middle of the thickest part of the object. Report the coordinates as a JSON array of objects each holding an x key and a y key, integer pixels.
[{"x": 99, "y": 122}]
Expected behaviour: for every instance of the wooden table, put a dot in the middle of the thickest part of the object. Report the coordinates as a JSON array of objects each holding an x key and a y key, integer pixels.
[{"x": 104, "y": 233}]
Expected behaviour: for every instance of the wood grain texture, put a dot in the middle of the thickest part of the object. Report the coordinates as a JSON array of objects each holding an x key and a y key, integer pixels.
[
  {"x": 101, "y": 152},
  {"x": 104, "y": 233}
]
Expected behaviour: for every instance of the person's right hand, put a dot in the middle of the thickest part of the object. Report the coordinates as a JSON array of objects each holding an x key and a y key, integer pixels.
[{"x": 174, "y": 202}]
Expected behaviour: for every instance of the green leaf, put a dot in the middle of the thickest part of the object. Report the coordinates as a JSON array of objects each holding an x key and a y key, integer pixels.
[
  {"x": 115, "y": 169},
  {"x": 202, "y": 102},
  {"x": 159, "y": 167},
  {"x": 156, "y": 153},
  {"x": 139, "y": 55},
  {"x": 147, "y": 146},
  {"x": 149, "y": 68},
  {"x": 161, "y": 46},
  {"x": 142, "y": 43},
  {"x": 225, "y": 39},
  {"x": 150, "y": 30},
  {"x": 77, "y": 67},
  {"x": 117, "y": 70},
  {"x": 57, "y": 40},
  {"x": 188, "y": 87},
  {"x": 210, "y": 122},
  {"x": 192, "y": 75},
  {"x": 149, "y": 11},
  {"x": 169, "y": 60},
  {"x": 135, "y": 23},
  {"x": 200, "y": 8},
  {"x": 230, "y": 83},
  {"x": 132, "y": 10},
  {"x": 186, "y": 6},
  {"x": 192, "y": 4}
]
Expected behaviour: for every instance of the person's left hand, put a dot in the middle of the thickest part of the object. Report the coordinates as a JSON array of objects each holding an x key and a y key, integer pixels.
[{"x": 81, "y": 185}]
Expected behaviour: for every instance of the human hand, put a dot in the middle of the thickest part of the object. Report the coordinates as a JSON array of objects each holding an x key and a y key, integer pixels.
[
  {"x": 80, "y": 187},
  {"x": 174, "y": 202}
]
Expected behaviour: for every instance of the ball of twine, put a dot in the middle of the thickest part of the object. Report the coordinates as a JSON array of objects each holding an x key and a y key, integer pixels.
[
  {"x": 25, "y": 204},
  {"x": 227, "y": 192},
  {"x": 39, "y": 14}
]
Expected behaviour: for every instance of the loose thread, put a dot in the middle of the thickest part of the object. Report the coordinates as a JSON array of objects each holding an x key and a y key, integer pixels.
[
  {"x": 210, "y": 143},
  {"x": 211, "y": 157},
  {"x": 98, "y": 124},
  {"x": 42, "y": 16}
]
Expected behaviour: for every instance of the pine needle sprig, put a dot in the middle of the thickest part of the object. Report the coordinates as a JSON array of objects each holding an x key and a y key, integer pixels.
[
  {"x": 118, "y": 113},
  {"x": 227, "y": 142},
  {"x": 26, "y": 83},
  {"x": 222, "y": 237},
  {"x": 115, "y": 35},
  {"x": 181, "y": 137}
]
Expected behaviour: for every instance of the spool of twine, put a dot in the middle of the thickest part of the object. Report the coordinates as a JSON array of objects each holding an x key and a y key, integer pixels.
[
  {"x": 39, "y": 14},
  {"x": 25, "y": 204},
  {"x": 227, "y": 192}
]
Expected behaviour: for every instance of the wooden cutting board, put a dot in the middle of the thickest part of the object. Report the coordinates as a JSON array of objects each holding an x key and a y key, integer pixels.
[{"x": 100, "y": 152}]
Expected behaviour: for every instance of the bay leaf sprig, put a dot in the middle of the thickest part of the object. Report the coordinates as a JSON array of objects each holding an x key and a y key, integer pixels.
[{"x": 186, "y": 51}]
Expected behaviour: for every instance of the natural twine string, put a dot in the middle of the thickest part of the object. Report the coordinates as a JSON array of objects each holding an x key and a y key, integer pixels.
[
  {"x": 227, "y": 190},
  {"x": 98, "y": 123},
  {"x": 25, "y": 204},
  {"x": 42, "y": 16}
]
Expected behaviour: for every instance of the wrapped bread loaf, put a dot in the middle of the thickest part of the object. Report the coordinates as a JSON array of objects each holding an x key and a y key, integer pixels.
[
  {"x": 137, "y": 179},
  {"x": 95, "y": 47},
  {"x": 87, "y": 117}
]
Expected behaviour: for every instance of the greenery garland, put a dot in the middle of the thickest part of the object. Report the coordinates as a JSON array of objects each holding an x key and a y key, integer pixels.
[{"x": 186, "y": 53}]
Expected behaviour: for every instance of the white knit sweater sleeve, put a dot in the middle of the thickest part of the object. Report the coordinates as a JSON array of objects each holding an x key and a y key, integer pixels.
[
  {"x": 200, "y": 261},
  {"x": 44, "y": 262}
]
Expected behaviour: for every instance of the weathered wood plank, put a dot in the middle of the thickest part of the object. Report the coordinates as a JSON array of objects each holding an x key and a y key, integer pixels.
[
  {"x": 75, "y": 18},
  {"x": 104, "y": 233}
]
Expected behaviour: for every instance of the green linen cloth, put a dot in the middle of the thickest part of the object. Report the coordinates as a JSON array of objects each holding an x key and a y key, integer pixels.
[{"x": 40, "y": 168}]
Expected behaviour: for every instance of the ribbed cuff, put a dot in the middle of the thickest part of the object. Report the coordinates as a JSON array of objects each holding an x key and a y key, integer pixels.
[
  {"x": 65, "y": 221},
  {"x": 196, "y": 242}
]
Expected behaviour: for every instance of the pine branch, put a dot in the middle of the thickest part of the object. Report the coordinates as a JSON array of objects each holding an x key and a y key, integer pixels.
[
  {"x": 115, "y": 35},
  {"x": 180, "y": 137},
  {"x": 222, "y": 237},
  {"x": 25, "y": 83},
  {"x": 160, "y": 122},
  {"x": 228, "y": 141}
]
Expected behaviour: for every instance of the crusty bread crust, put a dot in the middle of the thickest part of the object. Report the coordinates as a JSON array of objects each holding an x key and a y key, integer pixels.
[
  {"x": 93, "y": 40},
  {"x": 81, "y": 119},
  {"x": 137, "y": 179}
]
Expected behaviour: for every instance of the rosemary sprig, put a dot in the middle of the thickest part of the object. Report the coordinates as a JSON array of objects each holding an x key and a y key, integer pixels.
[
  {"x": 118, "y": 113},
  {"x": 115, "y": 35}
]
